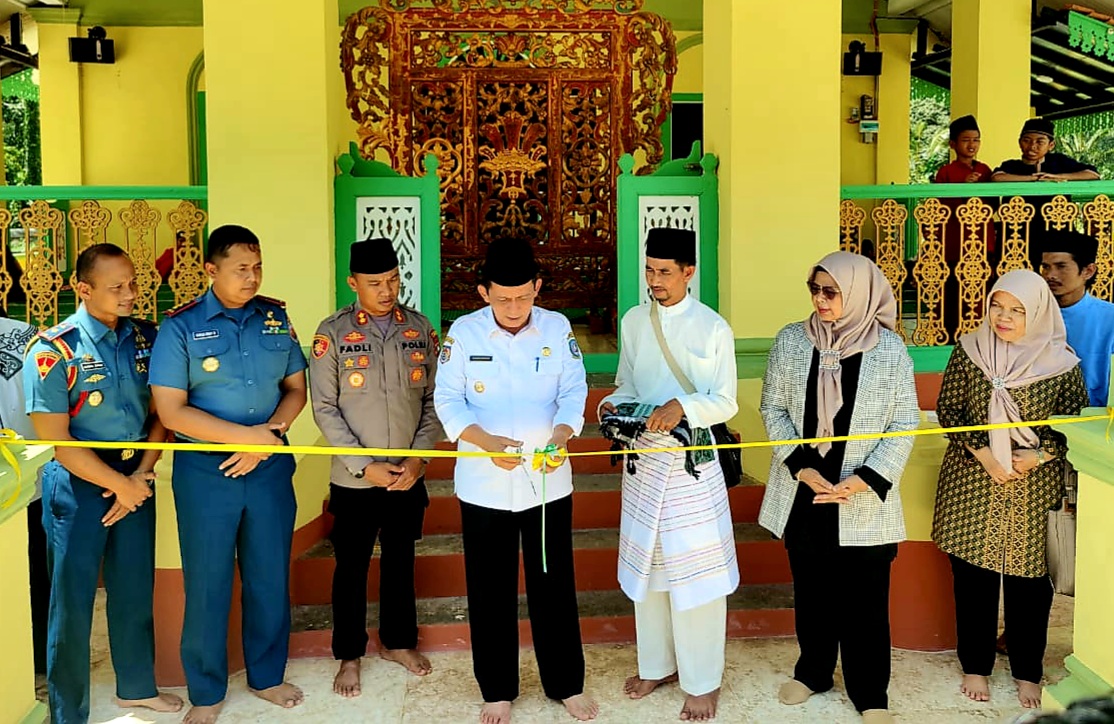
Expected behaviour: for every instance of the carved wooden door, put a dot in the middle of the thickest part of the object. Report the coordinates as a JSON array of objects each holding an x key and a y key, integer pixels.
[{"x": 528, "y": 108}]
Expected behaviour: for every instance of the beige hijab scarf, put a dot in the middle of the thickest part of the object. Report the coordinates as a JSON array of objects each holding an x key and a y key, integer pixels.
[
  {"x": 1042, "y": 353},
  {"x": 868, "y": 306}
]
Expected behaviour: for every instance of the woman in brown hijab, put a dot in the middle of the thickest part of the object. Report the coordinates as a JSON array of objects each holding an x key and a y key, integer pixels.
[
  {"x": 996, "y": 488},
  {"x": 837, "y": 504}
]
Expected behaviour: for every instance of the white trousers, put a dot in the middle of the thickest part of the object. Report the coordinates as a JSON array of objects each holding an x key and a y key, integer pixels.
[{"x": 691, "y": 643}]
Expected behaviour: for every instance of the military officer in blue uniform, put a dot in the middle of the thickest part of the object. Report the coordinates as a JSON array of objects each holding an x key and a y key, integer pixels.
[
  {"x": 227, "y": 368},
  {"x": 86, "y": 379}
]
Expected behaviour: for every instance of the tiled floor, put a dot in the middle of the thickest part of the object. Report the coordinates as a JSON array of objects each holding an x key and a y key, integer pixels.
[{"x": 924, "y": 689}]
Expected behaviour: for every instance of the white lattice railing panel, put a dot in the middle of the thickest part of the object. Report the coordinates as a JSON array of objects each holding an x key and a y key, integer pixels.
[
  {"x": 397, "y": 218},
  {"x": 673, "y": 212}
]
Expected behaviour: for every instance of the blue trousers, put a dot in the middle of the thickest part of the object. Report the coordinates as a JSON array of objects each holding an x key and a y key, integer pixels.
[
  {"x": 222, "y": 520},
  {"x": 77, "y": 545}
]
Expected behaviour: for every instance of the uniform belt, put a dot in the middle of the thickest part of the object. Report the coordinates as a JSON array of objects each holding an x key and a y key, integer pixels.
[{"x": 120, "y": 455}]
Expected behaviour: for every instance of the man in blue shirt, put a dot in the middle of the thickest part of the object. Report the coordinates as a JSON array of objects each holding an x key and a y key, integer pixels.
[
  {"x": 86, "y": 379},
  {"x": 228, "y": 369},
  {"x": 1068, "y": 265}
]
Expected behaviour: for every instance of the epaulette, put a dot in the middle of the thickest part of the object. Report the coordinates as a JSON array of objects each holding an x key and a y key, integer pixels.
[
  {"x": 182, "y": 307},
  {"x": 57, "y": 331},
  {"x": 271, "y": 300}
]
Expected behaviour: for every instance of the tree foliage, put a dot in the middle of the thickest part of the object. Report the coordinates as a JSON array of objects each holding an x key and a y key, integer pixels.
[{"x": 928, "y": 138}]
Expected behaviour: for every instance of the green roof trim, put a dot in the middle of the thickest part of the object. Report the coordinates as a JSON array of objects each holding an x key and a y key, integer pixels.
[{"x": 1091, "y": 36}]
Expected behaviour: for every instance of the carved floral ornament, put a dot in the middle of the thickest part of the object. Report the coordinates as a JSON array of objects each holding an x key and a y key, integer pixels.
[{"x": 528, "y": 106}]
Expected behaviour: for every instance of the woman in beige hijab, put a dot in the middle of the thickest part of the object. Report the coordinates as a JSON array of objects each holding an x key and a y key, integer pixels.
[
  {"x": 996, "y": 488},
  {"x": 836, "y": 504}
]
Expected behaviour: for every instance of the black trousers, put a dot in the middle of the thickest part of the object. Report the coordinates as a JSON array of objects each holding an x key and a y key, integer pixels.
[
  {"x": 40, "y": 582},
  {"x": 360, "y": 516},
  {"x": 491, "y": 545},
  {"x": 842, "y": 608},
  {"x": 1027, "y": 604}
]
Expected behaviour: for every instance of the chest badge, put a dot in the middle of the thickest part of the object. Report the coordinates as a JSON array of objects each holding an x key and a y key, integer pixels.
[
  {"x": 210, "y": 364},
  {"x": 96, "y": 397},
  {"x": 479, "y": 386},
  {"x": 546, "y": 351},
  {"x": 356, "y": 379},
  {"x": 411, "y": 333},
  {"x": 417, "y": 357},
  {"x": 363, "y": 361},
  {"x": 355, "y": 337},
  {"x": 91, "y": 379},
  {"x": 270, "y": 321},
  {"x": 417, "y": 374}
]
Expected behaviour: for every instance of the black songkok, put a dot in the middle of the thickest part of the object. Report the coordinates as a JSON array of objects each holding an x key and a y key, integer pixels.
[
  {"x": 374, "y": 256},
  {"x": 676, "y": 244},
  {"x": 959, "y": 125},
  {"x": 1039, "y": 125},
  {"x": 509, "y": 263}
]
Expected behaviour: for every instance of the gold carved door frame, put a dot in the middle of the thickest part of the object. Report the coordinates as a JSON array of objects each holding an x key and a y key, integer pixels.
[{"x": 528, "y": 105}]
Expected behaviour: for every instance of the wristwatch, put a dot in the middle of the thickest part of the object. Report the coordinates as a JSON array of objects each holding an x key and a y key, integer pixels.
[
  {"x": 359, "y": 474},
  {"x": 1040, "y": 456}
]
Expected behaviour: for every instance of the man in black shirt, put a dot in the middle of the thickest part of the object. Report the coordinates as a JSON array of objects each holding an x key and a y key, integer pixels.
[{"x": 1038, "y": 162}]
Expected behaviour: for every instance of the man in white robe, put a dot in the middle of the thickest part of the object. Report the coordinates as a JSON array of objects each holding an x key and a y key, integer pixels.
[{"x": 677, "y": 548}]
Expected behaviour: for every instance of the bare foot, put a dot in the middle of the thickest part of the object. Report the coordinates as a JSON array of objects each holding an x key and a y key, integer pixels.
[
  {"x": 1029, "y": 694},
  {"x": 414, "y": 662},
  {"x": 347, "y": 681},
  {"x": 637, "y": 687},
  {"x": 975, "y": 688},
  {"x": 582, "y": 707},
  {"x": 163, "y": 702},
  {"x": 285, "y": 695},
  {"x": 496, "y": 712},
  {"x": 700, "y": 708},
  {"x": 203, "y": 714}
]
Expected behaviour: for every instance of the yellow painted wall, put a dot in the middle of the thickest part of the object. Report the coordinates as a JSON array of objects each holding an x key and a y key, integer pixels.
[
  {"x": 887, "y": 159},
  {"x": 60, "y": 107},
  {"x": 1094, "y": 628},
  {"x": 690, "y": 67},
  {"x": 17, "y": 670},
  {"x": 134, "y": 111}
]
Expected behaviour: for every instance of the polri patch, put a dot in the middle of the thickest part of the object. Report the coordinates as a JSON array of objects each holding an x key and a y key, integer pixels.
[{"x": 320, "y": 345}]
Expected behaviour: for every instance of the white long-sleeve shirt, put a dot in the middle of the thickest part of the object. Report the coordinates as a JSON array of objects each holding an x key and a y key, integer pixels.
[
  {"x": 703, "y": 345},
  {"x": 518, "y": 386}
]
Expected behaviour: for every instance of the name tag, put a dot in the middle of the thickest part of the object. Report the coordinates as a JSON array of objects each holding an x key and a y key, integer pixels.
[
  {"x": 91, "y": 365},
  {"x": 481, "y": 358},
  {"x": 207, "y": 334}
]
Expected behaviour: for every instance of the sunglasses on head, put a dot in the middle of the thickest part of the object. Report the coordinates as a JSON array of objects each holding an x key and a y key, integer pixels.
[{"x": 829, "y": 293}]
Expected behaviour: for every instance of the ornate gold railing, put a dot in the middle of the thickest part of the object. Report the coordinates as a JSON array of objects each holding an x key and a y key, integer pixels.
[
  {"x": 931, "y": 242},
  {"x": 39, "y": 244}
]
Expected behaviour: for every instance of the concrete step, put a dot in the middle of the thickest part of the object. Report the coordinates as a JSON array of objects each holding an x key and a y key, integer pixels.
[
  {"x": 439, "y": 564},
  {"x": 597, "y": 502},
  {"x": 754, "y": 611}
]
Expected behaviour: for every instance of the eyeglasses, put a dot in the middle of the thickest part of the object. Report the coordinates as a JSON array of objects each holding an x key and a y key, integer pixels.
[{"x": 829, "y": 293}]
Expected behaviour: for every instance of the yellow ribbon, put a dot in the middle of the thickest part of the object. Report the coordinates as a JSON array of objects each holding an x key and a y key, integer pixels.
[
  {"x": 547, "y": 457},
  {"x": 8, "y": 436}
]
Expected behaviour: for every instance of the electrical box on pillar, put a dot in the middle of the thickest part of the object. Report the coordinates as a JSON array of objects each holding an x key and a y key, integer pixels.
[{"x": 868, "y": 119}]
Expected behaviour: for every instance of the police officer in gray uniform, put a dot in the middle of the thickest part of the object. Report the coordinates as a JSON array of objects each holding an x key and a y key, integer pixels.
[{"x": 371, "y": 383}]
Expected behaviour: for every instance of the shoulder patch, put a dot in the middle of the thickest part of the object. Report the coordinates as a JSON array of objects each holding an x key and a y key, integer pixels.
[
  {"x": 271, "y": 300},
  {"x": 320, "y": 345},
  {"x": 182, "y": 307},
  {"x": 57, "y": 331}
]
